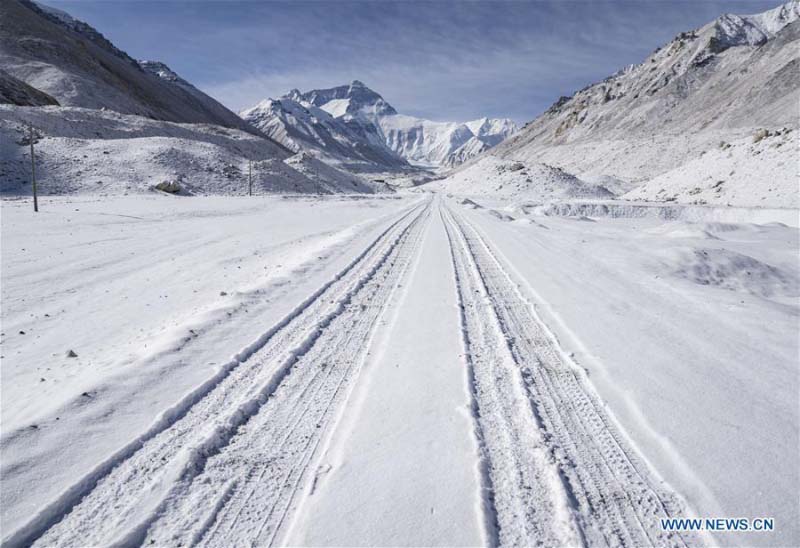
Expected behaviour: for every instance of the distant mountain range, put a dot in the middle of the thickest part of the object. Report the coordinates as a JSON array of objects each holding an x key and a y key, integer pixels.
[{"x": 354, "y": 126}]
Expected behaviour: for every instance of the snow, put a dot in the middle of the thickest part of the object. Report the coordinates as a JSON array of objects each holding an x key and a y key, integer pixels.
[
  {"x": 336, "y": 107},
  {"x": 153, "y": 294},
  {"x": 754, "y": 30},
  {"x": 332, "y": 179},
  {"x": 60, "y": 14},
  {"x": 734, "y": 271},
  {"x": 492, "y": 176},
  {"x": 689, "y": 333},
  {"x": 408, "y": 351},
  {"x": 16, "y": 92},
  {"x": 617, "y": 209},
  {"x": 396, "y": 473},
  {"x": 763, "y": 173},
  {"x": 773, "y": 21},
  {"x": 300, "y": 125},
  {"x": 585, "y": 329}
]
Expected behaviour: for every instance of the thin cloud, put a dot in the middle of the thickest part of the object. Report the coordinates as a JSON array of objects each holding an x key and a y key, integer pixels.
[{"x": 459, "y": 60}]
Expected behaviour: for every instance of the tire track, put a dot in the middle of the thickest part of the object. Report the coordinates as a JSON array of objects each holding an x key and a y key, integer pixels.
[
  {"x": 117, "y": 501},
  {"x": 577, "y": 462},
  {"x": 284, "y": 438},
  {"x": 530, "y": 504}
]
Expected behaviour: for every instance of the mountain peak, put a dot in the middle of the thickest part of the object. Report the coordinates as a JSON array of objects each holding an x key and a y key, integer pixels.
[
  {"x": 753, "y": 30},
  {"x": 350, "y": 99}
]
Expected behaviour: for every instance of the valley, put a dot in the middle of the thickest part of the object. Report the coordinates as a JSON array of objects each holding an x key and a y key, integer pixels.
[{"x": 320, "y": 320}]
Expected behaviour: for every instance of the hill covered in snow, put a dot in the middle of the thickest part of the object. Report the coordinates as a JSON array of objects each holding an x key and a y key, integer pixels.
[
  {"x": 490, "y": 176},
  {"x": 704, "y": 97},
  {"x": 86, "y": 151},
  {"x": 76, "y": 65},
  {"x": 354, "y": 126},
  {"x": 335, "y": 135}
]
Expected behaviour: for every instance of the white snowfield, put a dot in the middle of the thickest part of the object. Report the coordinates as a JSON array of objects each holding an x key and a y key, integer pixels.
[{"x": 405, "y": 369}]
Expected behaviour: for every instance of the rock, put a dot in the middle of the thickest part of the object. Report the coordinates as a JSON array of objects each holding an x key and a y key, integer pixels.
[
  {"x": 171, "y": 187},
  {"x": 760, "y": 134},
  {"x": 71, "y": 354},
  {"x": 223, "y": 293}
]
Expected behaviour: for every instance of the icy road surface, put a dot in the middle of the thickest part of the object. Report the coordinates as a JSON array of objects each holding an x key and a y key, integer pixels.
[{"x": 391, "y": 371}]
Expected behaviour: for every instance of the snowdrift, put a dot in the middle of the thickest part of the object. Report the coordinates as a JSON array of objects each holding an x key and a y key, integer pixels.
[
  {"x": 497, "y": 178},
  {"x": 761, "y": 170}
]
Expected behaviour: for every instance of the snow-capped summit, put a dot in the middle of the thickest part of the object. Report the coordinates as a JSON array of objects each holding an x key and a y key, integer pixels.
[
  {"x": 349, "y": 141},
  {"x": 353, "y": 99},
  {"x": 353, "y": 123},
  {"x": 753, "y": 30},
  {"x": 448, "y": 144}
]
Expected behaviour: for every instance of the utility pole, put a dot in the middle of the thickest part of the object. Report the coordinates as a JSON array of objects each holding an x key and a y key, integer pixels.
[
  {"x": 250, "y": 176},
  {"x": 33, "y": 173}
]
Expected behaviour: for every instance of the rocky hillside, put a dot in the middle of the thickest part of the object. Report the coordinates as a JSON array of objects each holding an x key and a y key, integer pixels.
[
  {"x": 17, "y": 92},
  {"x": 724, "y": 82},
  {"x": 77, "y": 66}
]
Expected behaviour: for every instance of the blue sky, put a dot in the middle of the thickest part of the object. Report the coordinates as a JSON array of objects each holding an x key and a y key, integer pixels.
[{"x": 441, "y": 60}]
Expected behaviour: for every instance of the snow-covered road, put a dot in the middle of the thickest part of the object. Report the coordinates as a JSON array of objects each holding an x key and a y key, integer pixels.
[{"x": 398, "y": 382}]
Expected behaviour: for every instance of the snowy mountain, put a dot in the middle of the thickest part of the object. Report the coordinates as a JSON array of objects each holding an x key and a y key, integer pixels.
[
  {"x": 349, "y": 141},
  {"x": 723, "y": 83},
  {"x": 77, "y": 66},
  {"x": 89, "y": 151},
  {"x": 106, "y": 123},
  {"x": 448, "y": 144},
  {"x": 354, "y": 126}
]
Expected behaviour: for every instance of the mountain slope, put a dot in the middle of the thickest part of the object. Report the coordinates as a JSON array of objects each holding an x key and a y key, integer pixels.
[
  {"x": 127, "y": 126},
  {"x": 355, "y": 126},
  {"x": 722, "y": 82},
  {"x": 17, "y": 92},
  {"x": 72, "y": 62},
  {"x": 88, "y": 151}
]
